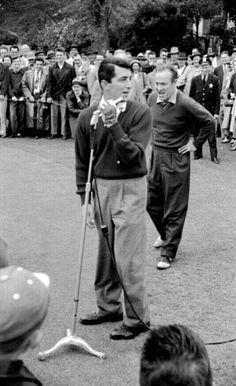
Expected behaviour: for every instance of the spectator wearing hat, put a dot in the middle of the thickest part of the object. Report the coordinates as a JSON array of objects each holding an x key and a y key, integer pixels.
[
  {"x": 77, "y": 99},
  {"x": 50, "y": 58},
  {"x": 34, "y": 85},
  {"x": 205, "y": 90},
  {"x": 17, "y": 99},
  {"x": 23, "y": 307},
  {"x": 174, "y": 55},
  {"x": 60, "y": 78},
  {"x": 30, "y": 58},
  {"x": 73, "y": 52},
  {"x": 139, "y": 83}
]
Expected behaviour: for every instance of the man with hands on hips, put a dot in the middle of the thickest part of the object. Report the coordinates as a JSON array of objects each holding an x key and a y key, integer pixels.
[
  {"x": 169, "y": 175},
  {"x": 122, "y": 133}
]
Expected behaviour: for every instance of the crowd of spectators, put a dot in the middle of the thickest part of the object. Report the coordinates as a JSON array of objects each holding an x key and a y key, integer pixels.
[{"x": 42, "y": 93}]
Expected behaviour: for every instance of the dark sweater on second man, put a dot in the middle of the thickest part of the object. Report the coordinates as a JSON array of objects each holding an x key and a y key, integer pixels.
[{"x": 173, "y": 123}]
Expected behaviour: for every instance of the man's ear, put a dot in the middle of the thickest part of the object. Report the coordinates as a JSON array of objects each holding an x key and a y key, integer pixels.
[{"x": 104, "y": 83}]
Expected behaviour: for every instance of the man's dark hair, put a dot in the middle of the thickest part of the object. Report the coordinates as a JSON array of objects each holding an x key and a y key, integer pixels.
[
  {"x": 106, "y": 69},
  {"x": 174, "y": 356},
  {"x": 14, "y": 47},
  {"x": 60, "y": 49},
  {"x": 163, "y": 50},
  {"x": 174, "y": 73}
]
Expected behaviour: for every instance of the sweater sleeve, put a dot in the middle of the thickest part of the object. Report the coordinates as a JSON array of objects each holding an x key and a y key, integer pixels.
[
  {"x": 202, "y": 117},
  {"x": 130, "y": 146}
]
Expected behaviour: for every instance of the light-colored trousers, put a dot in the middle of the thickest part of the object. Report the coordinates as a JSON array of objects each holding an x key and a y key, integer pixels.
[
  {"x": 123, "y": 208},
  {"x": 3, "y": 119}
]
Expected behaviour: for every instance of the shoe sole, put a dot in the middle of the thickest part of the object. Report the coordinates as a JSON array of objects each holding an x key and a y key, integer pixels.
[{"x": 111, "y": 319}]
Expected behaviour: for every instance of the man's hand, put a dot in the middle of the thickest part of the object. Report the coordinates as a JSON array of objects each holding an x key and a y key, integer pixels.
[
  {"x": 21, "y": 99},
  {"x": 31, "y": 98},
  {"x": 108, "y": 114},
  {"x": 90, "y": 215},
  {"x": 2, "y": 98},
  {"x": 14, "y": 99},
  {"x": 186, "y": 148},
  {"x": 49, "y": 100},
  {"x": 216, "y": 116}
]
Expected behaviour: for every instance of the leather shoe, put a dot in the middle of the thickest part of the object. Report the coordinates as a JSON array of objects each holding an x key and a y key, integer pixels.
[
  {"x": 95, "y": 318},
  {"x": 126, "y": 332},
  {"x": 53, "y": 136},
  {"x": 197, "y": 157},
  {"x": 215, "y": 160}
]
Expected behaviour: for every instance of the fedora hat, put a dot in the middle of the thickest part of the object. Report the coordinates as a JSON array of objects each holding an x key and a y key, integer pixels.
[{"x": 174, "y": 51}]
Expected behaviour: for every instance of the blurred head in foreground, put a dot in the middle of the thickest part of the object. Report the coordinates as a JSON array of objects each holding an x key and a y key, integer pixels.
[{"x": 174, "y": 356}]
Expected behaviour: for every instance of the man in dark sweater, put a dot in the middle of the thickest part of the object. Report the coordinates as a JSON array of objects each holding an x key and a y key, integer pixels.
[
  {"x": 121, "y": 136},
  {"x": 169, "y": 176}
]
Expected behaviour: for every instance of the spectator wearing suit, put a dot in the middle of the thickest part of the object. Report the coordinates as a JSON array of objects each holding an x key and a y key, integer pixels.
[
  {"x": 77, "y": 99},
  {"x": 60, "y": 78},
  {"x": 205, "y": 90},
  {"x": 34, "y": 85},
  {"x": 16, "y": 96}
]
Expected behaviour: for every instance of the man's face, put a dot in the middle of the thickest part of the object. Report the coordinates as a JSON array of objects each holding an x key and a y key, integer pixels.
[
  {"x": 165, "y": 87},
  {"x": 16, "y": 64},
  {"x": 159, "y": 63},
  {"x": 14, "y": 52},
  {"x": 120, "y": 84},
  {"x": 77, "y": 61},
  {"x": 38, "y": 64},
  {"x": 3, "y": 52},
  {"x": 151, "y": 58},
  {"x": 25, "y": 49},
  {"x": 164, "y": 55},
  {"x": 99, "y": 59},
  {"x": 174, "y": 58},
  {"x": 205, "y": 70},
  {"x": 73, "y": 52},
  {"x": 7, "y": 61},
  {"x": 181, "y": 63},
  {"x": 60, "y": 57},
  {"x": 77, "y": 89},
  {"x": 196, "y": 61},
  {"x": 224, "y": 58}
]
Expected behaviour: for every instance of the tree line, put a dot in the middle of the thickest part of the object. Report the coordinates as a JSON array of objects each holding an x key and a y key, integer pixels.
[{"x": 101, "y": 24}]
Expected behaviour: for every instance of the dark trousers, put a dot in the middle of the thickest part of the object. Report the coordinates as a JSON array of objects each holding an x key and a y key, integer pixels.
[
  {"x": 211, "y": 141},
  {"x": 17, "y": 116},
  {"x": 168, "y": 193}
]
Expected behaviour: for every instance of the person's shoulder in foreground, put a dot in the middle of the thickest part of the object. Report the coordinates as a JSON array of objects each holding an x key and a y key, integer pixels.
[
  {"x": 174, "y": 356},
  {"x": 23, "y": 307}
]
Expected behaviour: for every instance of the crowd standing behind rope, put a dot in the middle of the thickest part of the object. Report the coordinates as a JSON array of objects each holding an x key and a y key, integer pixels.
[{"x": 42, "y": 94}]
